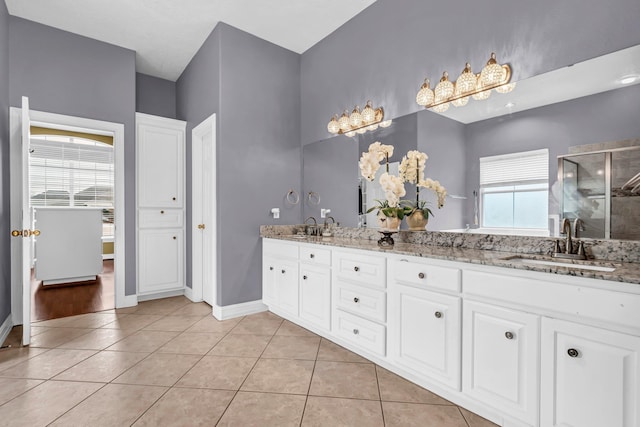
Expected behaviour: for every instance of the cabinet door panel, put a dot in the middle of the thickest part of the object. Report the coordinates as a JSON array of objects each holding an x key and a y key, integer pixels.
[
  {"x": 500, "y": 354},
  {"x": 269, "y": 265},
  {"x": 315, "y": 296},
  {"x": 425, "y": 335},
  {"x": 590, "y": 376},
  {"x": 287, "y": 286},
  {"x": 160, "y": 166},
  {"x": 161, "y": 260}
]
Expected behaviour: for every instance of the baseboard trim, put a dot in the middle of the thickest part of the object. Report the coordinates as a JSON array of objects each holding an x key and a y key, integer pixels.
[
  {"x": 158, "y": 295},
  {"x": 237, "y": 310},
  {"x": 188, "y": 292},
  {"x": 6, "y": 328}
]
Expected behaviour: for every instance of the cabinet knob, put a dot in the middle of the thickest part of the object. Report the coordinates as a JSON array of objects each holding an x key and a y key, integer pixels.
[
  {"x": 283, "y": 271},
  {"x": 509, "y": 335},
  {"x": 304, "y": 277},
  {"x": 356, "y": 332},
  {"x": 438, "y": 314},
  {"x": 161, "y": 212},
  {"x": 572, "y": 352},
  {"x": 356, "y": 299},
  {"x": 174, "y": 237},
  {"x": 420, "y": 275},
  {"x": 271, "y": 268},
  {"x": 312, "y": 256},
  {"x": 173, "y": 198},
  {"x": 356, "y": 268}
]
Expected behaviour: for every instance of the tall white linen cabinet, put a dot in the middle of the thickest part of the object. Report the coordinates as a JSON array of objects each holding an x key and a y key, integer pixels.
[{"x": 160, "y": 205}]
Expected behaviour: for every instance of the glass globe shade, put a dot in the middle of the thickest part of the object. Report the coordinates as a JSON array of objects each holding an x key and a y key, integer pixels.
[
  {"x": 492, "y": 73},
  {"x": 355, "y": 119},
  {"x": 386, "y": 123},
  {"x": 344, "y": 122},
  {"x": 481, "y": 96},
  {"x": 350, "y": 134},
  {"x": 361, "y": 130},
  {"x": 506, "y": 88},
  {"x": 466, "y": 82},
  {"x": 425, "y": 95},
  {"x": 441, "y": 108},
  {"x": 444, "y": 88},
  {"x": 368, "y": 114},
  {"x": 372, "y": 127},
  {"x": 460, "y": 102},
  {"x": 333, "y": 126}
]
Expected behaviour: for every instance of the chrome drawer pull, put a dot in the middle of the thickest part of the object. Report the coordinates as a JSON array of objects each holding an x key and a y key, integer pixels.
[
  {"x": 509, "y": 335},
  {"x": 420, "y": 275},
  {"x": 356, "y": 268},
  {"x": 312, "y": 256},
  {"x": 304, "y": 277},
  {"x": 356, "y": 299},
  {"x": 356, "y": 332},
  {"x": 572, "y": 352},
  {"x": 438, "y": 314}
]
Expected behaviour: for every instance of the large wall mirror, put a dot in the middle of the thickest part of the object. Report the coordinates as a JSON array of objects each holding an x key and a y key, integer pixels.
[{"x": 590, "y": 107}]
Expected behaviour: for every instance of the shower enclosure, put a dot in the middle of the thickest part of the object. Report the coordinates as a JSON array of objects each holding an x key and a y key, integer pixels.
[{"x": 602, "y": 189}]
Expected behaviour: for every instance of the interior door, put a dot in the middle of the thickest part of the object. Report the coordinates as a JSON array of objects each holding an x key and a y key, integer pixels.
[{"x": 203, "y": 211}]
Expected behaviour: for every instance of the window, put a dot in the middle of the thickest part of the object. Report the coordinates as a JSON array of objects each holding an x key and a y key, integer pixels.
[
  {"x": 514, "y": 190},
  {"x": 72, "y": 171}
]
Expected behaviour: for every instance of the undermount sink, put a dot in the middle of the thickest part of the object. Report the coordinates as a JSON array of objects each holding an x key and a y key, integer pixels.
[{"x": 581, "y": 265}]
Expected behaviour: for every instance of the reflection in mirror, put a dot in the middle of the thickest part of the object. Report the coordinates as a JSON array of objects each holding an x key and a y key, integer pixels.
[{"x": 586, "y": 119}]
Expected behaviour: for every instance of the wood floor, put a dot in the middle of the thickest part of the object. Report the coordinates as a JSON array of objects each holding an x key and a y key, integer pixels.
[{"x": 52, "y": 302}]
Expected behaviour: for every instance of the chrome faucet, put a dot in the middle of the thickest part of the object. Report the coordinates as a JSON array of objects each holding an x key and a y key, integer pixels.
[
  {"x": 578, "y": 226},
  {"x": 326, "y": 224},
  {"x": 568, "y": 252},
  {"x": 311, "y": 229}
]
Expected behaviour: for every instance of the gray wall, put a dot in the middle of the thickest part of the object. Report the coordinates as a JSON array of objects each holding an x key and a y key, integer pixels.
[
  {"x": 68, "y": 74},
  {"x": 258, "y": 156},
  {"x": 608, "y": 116},
  {"x": 198, "y": 97},
  {"x": 443, "y": 140},
  {"x": 5, "y": 215},
  {"x": 384, "y": 53},
  {"x": 253, "y": 86},
  {"x": 155, "y": 96}
]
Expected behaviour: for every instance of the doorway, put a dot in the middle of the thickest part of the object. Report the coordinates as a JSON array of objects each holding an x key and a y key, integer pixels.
[
  {"x": 20, "y": 278},
  {"x": 203, "y": 213}
]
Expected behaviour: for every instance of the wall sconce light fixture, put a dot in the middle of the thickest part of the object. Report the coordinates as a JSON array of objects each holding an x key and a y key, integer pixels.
[
  {"x": 358, "y": 122},
  {"x": 478, "y": 86}
]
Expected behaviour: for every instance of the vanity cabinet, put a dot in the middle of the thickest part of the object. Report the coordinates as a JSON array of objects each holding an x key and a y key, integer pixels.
[
  {"x": 520, "y": 348},
  {"x": 590, "y": 376},
  {"x": 500, "y": 358},
  {"x": 425, "y": 326},
  {"x": 160, "y": 183}
]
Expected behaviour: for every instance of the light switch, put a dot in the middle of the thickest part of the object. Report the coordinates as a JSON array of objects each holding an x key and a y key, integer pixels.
[
  {"x": 324, "y": 212},
  {"x": 275, "y": 212}
]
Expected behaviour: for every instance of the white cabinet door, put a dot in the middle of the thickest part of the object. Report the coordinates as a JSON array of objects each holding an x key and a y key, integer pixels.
[
  {"x": 160, "y": 161},
  {"x": 590, "y": 376},
  {"x": 160, "y": 260},
  {"x": 269, "y": 265},
  {"x": 315, "y": 295},
  {"x": 424, "y": 333},
  {"x": 286, "y": 284},
  {"x": 500, "y": 359}
]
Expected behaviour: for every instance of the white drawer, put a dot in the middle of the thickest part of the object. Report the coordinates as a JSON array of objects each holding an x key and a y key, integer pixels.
[
  {"x": 315, "y": 255},
  {"x": 361, "y": 301},
  {"x": 280, "y": 249},
  {"x": 422, "y": 275},
  {"x": 160, "y": 218},
  {"x": 367, "y": 270},
  {"x": 360, "y": 332}
]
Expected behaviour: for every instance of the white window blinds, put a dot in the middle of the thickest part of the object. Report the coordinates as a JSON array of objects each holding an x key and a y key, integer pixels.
[
  {"x": 66, "y": 171},
  {"x": 515, "y": 168}
]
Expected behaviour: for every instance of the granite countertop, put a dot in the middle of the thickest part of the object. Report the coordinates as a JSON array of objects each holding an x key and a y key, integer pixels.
[{"x": 624, "y": 271}]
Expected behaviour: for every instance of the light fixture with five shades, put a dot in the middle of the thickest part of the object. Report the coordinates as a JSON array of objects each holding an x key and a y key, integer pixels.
[{"x": 478, "y": 86}]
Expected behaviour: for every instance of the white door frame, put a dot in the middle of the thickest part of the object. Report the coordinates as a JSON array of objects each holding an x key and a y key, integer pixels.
[
  {"x": 197, "y": 139},
  {"x": 77, "y": 124}
]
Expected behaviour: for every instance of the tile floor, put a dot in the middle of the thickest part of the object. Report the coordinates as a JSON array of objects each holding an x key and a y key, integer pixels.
[{"x": 169, "y": 362}]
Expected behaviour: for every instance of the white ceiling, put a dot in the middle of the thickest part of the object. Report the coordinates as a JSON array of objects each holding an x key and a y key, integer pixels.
[{"x": 166, "y": 34}]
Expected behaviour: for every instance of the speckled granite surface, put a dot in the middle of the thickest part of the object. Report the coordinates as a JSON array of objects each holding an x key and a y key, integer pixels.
[{"x": 482, "y": 249}]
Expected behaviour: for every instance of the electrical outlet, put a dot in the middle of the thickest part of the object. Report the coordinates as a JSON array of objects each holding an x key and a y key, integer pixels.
[
  {"x": 324, "y": 212},
  {"x": 276, "y": 213}
]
